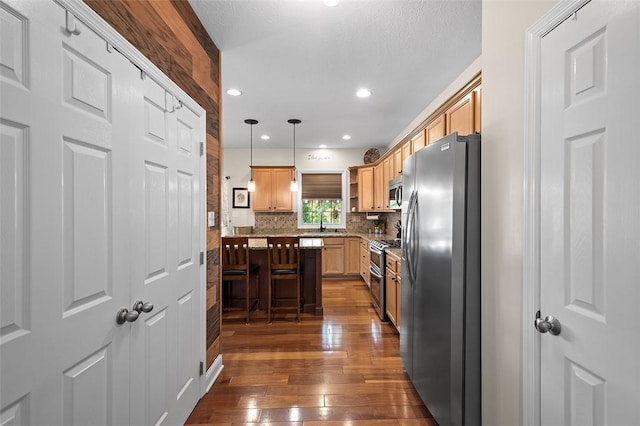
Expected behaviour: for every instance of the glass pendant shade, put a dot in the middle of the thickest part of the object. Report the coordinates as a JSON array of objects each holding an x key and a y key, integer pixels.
[
  {"x": 294, "y": 184},
  {"x": 251, "y": 185}
]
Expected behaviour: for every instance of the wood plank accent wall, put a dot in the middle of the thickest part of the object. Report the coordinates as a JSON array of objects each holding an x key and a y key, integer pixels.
[{"x": 169, "y": 33}]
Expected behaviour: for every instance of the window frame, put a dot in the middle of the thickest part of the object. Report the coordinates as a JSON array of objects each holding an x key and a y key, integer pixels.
[{"x": 345, "y": 199}]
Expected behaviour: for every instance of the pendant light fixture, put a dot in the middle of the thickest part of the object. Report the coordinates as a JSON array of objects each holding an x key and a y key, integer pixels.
[
  {"x": 251, "y": 185},
  {"x": 294, "y": 184}
]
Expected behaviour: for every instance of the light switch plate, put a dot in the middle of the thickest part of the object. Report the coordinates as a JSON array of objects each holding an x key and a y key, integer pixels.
[{"x": 211, "y": 219}]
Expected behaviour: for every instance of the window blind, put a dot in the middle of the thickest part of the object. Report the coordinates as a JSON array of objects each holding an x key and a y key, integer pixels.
[{"x": 321, "y": 186}]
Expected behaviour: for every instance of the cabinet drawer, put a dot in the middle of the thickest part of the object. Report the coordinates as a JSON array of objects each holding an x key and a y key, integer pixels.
[
  {"x": 391, "y": 264},
  {"x": 333, "y": 241}
]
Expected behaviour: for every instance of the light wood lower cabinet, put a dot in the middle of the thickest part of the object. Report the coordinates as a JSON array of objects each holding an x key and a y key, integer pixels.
[
  {"x": 352, "y": 260},
  {"x": 333, "y": 256},
  {"x": 393, "y": 291},
  {"x": 364, "y": 261},
  {"x": 340, "y": 256}
]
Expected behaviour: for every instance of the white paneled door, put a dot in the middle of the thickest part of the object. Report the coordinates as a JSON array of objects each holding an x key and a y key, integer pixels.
[
  {"x": 165, "y": 342},
  {"x": 99, "y": 207},
  {"x": 590, "y": 211}
]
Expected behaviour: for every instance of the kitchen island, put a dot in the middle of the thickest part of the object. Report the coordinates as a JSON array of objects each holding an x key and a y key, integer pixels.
[
  {"x": 311, "y": 258},
  {"x": 310, "y": 270}
]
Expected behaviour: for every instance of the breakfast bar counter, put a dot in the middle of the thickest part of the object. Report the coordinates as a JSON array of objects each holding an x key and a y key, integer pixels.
[{"x": 310, "y": 267}]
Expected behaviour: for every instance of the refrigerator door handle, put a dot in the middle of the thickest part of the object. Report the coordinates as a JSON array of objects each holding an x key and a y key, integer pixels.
[{"x": 410, "y": 237}]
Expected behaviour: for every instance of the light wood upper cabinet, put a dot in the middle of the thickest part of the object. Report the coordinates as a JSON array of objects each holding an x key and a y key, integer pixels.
[
  {"x": 477, "y": 116},
  {"x": 407, "y": 150},
  {"x": 418, "y": 142},
  {"x": 365, "y": 189},
  {"x": 387, "y": 175},
  {"x": 435, "y": 130},
  {"x": 460, "y": 117},
  {"x": 378, "y": 193},
  {"x": 397, "y": 161},
  {"x": 273, "y": 189}
]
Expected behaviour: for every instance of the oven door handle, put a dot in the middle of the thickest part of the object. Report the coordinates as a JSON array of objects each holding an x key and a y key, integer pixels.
[{"x": 374, "y": 272}]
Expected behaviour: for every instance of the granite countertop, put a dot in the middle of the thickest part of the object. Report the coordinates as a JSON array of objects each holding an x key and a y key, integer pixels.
[
  {"x": 316, "y": 239},
  {"x": 316, "y": 234},
  {"x": 397, "y": 252}
]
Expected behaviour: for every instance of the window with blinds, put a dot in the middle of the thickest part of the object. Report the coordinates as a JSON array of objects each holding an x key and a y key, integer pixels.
[{"x": 321, "y": 197}]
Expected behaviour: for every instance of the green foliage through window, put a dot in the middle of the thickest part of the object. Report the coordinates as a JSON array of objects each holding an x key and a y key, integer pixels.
[{"x": 329, "y": 210}]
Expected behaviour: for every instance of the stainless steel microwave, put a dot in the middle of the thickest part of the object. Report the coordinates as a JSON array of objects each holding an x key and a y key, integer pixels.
[{"x": 395, "y": 193}]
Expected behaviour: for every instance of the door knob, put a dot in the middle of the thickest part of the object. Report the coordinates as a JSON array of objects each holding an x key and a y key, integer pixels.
[
  {"x": 124, "y": 315},
  {"x": 141, "y": 307},
  {"x": 550, "y": 324}
]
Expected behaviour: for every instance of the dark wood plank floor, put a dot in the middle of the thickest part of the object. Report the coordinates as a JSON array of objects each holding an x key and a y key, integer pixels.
[{"x": 344, "y": 368}]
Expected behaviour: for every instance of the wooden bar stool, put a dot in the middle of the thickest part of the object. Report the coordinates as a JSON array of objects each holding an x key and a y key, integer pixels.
[
  {"x": 237, "y": 268},
  {"x": 284, "y": 265}
]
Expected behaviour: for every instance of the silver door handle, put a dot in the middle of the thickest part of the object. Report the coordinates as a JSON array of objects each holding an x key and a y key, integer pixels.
[
  {"x": 124, "y": 315},
  {"x": 374, "y": 273},
  {"x": 550, "y": 324},
  {"x": 141, "y": 307}
]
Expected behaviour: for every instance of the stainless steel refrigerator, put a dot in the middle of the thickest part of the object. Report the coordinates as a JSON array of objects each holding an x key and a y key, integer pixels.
[{"x": 440, "y": 317}]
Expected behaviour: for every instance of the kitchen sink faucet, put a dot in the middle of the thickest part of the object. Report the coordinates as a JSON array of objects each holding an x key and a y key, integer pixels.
[{"x": 322, "y": 228}]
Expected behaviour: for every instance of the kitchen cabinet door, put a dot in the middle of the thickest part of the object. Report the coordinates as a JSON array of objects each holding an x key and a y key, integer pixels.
[
  {"x": 418, "y": 141},
  {"x": 398, "y": 293},
  {"x": 273, "y": 193},
  {"x": 460, "y": 117},
  {"x": 364, "y": 261},
  {"x": 352, "y": 260},
  {"x": 477, "y": 113},
  {"x": 333, "y": 256},
  {"x": 397, "y": 161},
  {"x": 391, "y": 294},
  {"x": 365, "y": 189},
  {"x": 407, "y": 150},
  {"x": 387, "y": 175},
  {"x": 436, "y": 129},
  {"x": 378, "y": 187}
]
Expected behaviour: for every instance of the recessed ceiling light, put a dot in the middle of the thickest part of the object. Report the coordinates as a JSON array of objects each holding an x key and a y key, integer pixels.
[
  {"x": 234, "y": 92},
  {"x": 322, "y": 146},
  {"x": 363, "y": 93},
  {"x": 265, "y": 137},
  {"x": 331, "y": 3},
  {"x": 346, "y": 137}
]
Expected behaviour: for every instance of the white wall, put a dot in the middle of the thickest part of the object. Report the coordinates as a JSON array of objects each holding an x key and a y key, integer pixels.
[
  {"x": 235, "y": 165},
  {"x": 503, "y": 27}
]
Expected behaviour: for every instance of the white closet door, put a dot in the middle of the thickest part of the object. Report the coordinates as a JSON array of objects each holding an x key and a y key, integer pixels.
[
  {"x": 167, "y": 228},
  {"x": 64, "y": 219},
  {"x": 590, "y": 205}
]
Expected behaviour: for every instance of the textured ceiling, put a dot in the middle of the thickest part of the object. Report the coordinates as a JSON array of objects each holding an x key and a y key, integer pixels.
[{"x": 302, "y": 59}]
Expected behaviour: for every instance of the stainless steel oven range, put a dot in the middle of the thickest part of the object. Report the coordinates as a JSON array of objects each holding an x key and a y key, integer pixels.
[{"x": 377, "y": 272}]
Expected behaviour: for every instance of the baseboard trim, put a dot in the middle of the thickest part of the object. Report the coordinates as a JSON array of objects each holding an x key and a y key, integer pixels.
[{"x": 213, "y": 372}]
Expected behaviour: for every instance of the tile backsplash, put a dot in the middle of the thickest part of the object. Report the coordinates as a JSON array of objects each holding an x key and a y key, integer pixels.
[{"x": 288, "y": 222}]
